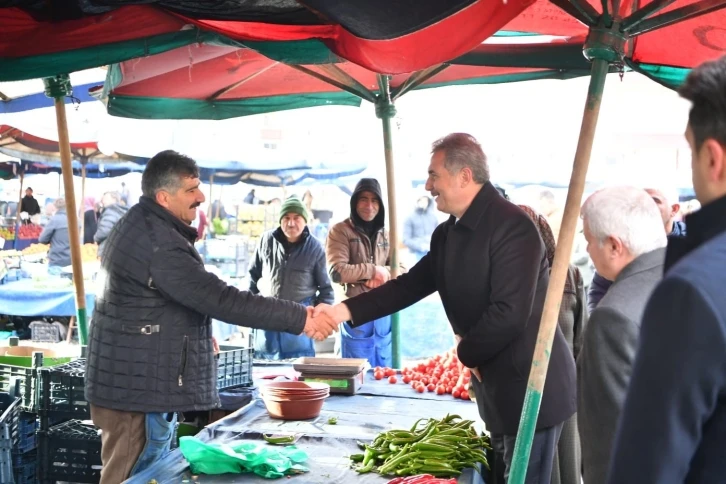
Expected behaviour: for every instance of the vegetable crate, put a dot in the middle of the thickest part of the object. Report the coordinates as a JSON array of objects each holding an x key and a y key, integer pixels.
[
  {"x": 25, "y": 468},
  {"x": 234, "y": 367},
  {"x": 10, "y": 405},
  {"x": 42, "y": 332},
  {"x": 70, "y": 451},
  {"x": 62, "y": 391},
  {"x": 27, "y": 426},
  {"x": 27, "y": 383}
]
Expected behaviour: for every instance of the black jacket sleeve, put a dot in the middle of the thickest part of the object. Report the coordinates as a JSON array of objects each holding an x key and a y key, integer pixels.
[
  {"x": 180, "y": 277},
  {"x": 394, "y": 295}
]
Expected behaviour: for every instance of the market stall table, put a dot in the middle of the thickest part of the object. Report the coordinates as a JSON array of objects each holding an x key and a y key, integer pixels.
[
  {"x": 21, "y": 244},
  {"x": 359, "y": 417},
  {"x": 28, "y": 297}
]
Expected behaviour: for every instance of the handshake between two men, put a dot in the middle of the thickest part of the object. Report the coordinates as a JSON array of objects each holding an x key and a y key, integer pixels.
[{"x": 323, "y": 320}]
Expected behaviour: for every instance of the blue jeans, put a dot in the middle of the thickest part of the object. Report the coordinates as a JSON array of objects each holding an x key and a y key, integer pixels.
[
  {"x": 159, "y": 433},
  {"x": 371, "y": 341}
]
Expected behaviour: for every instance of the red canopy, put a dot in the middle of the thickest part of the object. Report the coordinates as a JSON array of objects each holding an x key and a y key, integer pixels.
[
  {"x": 24, "y": 36},
  {"x": 683, "y": 44}
]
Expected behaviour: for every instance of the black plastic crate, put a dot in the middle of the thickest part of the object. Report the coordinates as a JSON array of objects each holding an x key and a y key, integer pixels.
[
  {"x": 27, "y": 427},
  {"x": 234, "y": 367},
  {"x": 42, "y": 332},
  {"x": 71, "y": 452},
  {"x": 25, "y": 468},
  {"x": 62, "y": 390},
  {"x": 27, "y": 384},
  {"x": 10, "y": 408}
]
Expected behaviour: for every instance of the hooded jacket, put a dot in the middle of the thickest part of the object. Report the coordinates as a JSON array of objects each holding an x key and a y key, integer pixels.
[{"x": 352, "y": 254}]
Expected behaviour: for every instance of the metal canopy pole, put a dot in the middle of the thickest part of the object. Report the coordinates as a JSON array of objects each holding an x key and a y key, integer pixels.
[
  {"x": 58, "y": 88},
  {"x": 385, "y": 110}
]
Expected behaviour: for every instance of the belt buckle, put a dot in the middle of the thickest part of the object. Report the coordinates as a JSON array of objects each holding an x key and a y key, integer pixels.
[{"x": 146, "y": 329}]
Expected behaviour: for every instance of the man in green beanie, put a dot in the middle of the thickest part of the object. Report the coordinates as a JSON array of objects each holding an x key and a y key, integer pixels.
[{"x": 293, "y": 261}]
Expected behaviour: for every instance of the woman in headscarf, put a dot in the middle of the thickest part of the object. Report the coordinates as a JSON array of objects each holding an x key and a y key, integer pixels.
[
  {"x": 90, "y": 219},
  {"x": 567, "y": 468}
]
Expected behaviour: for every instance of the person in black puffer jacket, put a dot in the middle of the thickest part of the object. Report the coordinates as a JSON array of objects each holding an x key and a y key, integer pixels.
[{"x": 150, "y": 350}]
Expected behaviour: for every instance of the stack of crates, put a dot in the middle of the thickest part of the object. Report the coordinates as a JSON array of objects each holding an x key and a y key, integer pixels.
[
  {"x": 69, "y": 450},
  {"x": 25, "y": 455},
  {"x": 22, "y": 420},
  {"x": 9, "y": 412}
]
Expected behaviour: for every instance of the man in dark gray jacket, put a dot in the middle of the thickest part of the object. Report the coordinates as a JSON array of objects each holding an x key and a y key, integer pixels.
[
  {"x": 150, "y": 350},
  {"x": 294, "y": 263},
  {"x": 626, "y": 242},
  {"x": 56, "y": 234},
  {"x": 113, "y": 210}
]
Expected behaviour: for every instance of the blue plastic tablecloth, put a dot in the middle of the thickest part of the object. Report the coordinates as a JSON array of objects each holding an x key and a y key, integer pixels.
[
  {"x": 21, "y": 244},
  {"x": 359, "y": 417},
  {"x": 24, "y": 298}
]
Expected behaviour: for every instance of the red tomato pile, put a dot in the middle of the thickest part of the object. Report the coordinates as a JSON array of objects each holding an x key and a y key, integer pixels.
[{"x": 440, "y": 374}]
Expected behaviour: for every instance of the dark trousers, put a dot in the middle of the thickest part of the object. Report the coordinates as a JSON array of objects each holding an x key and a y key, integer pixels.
[{"x": 541, "y": 458}]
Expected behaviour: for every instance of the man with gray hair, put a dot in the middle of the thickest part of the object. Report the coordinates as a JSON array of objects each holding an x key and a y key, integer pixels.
[
  {"x": 667, "y": 201},
  {"x": 626, "y": 241},
  {"x": 489, "y": 265}
]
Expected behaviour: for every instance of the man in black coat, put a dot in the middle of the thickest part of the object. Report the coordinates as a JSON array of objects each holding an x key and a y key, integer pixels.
[
  {"x": 29, "y": 204},
  {"x": 488, "y": 264},
  {"x": 150, "y": 350}
]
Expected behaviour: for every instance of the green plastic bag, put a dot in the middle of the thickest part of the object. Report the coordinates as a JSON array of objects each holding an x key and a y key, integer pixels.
[{"x": 259, "y": 458}]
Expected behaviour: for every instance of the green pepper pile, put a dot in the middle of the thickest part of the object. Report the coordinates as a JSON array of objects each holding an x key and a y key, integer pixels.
[{"x": 442, "y": 448}]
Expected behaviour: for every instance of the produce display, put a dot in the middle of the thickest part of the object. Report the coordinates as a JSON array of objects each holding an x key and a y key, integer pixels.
[
  {"x": 4, "y": 254},
  {"x": 34, "y": 249},
  {"x": 220, "y": 226},
  {"x": 440, "y": 448},
  {"x": 29, "y": 231},
  {"x": 7, "y": 233},
  {"x": 254, "y": 220},
  {"x": 442, "y": 374}
]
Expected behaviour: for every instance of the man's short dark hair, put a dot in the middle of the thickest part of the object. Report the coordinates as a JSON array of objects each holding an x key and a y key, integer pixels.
[
  {"x": 28, "y": 188},
  {"x": 165, "y": 171},
  {"x": 705, "y": 87}
]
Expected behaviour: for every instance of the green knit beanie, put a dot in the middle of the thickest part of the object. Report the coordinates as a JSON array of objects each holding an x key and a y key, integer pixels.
[{"x": 293, "y": 205}]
